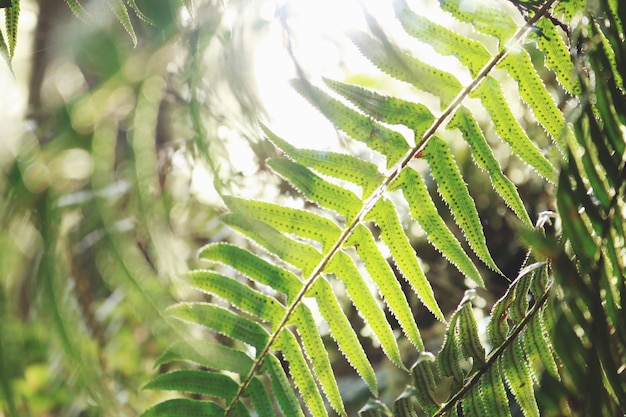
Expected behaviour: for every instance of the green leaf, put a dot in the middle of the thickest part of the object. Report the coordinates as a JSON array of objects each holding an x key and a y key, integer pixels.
[
  {"x": 222, "y": 321},
  {"x": 515, "y": 367},
  {"x": 389, "y": 59},
  {"x": 404, "y": 406},
  {"x": 345, "y": 167},
  {"x": 196, "y": 382},
  {"x": 473, "y": 404},
  {"x": 454, "y": 191},
  {"x": 344, "y": 335},
  {"x": 301, "y": 373},
  {"x": 484, "y": 158},
  {"x": 485, "y": 19},
  {"x": 77, "y": 9},
  {"x": 471, "y": 345},
  {"x": 386, "y": 109},
  {"x": 317, "y": 354},
  {"x": 358, "y": 126},
  {"x": 373, "y": 408},
  {"x": 344, "y": 268},
  {"x": 316, "y": 189},
  {"x": 184, "y": 407},
  {"x": 557, "y": 56},
  {"x": 509, "y": 129},
  {"x": 305, "y": 224},
  {"x": 281, "y": 388},
  {"x": 423, "y": 210},
  {"x": 449, "y": 358},
  {"x": 298, "y": 254},
  {"x": 469, "y": 52},
  {"x": 498, "y": 326},
  {"x": 537, "y": 347},
  {"x": 121, "y": 13},
  {"x": 423, "y": 379},
  {"x": 383, "y": 276},
  {"x": 403, "y": 254},
  {"x": 260, "y": 398},
  {"x": 253, "y": 267},
  {"x": 208, "y": 354},
  {"x": 240, "y": 295},
  {"x": 493, "y": 394},
  {"x": 533, "y": 91},
  {"x": 11, "y": 18}
]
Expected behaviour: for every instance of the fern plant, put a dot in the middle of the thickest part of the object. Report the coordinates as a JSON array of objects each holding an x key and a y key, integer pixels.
[
  {"x": 265, "y": 344},
  {"x": 120, "y": 8}
]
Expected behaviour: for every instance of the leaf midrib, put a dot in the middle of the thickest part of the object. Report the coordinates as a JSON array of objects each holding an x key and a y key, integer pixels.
[{"x": 378, "y": 193}]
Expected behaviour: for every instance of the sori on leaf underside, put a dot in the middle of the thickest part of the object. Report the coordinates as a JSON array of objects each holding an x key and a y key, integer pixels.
[{"x": 353, "y": 238}]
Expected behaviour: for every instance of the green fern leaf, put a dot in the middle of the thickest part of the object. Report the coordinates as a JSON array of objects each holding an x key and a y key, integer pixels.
[
  {"x": 406, "y": 68},
  {"x": 373, "y": 408},
  {"x": 519, "y": 307},
  {"x": 533, "y": 91},
  {"x": 301, "y": 223},
  {"x": 281, "y": 388},
  {"x": 260, "y": 398},
  {"x": 471, "y": 346},
  {"x": 222, "y": 321},
  {"x": 139, "y": 13},
  {"x": 336, "y": 165},
  {"x": 317, "y": 354},
  {"x": 485, "y": 19},
  {"x": 386, "y": 109},
  {"x": 184, "y": 407},
  {"x": 121, "y": 13},
  {"x": 253, "y": 267},
  {"x": 498, "y": 326},
  {"x": 470, "y": 53},
  {"x": 344, "y": 335},
  {"x": 509, "y": 129},
  {"x": 208, "y": 354},
  {"x": 557, "y": 56},
  {"x": 537, "y": 348},
  {"x": 344, "y": 268},
  {"x": 423, "y": 210},
  {"x": 316, "y": 189},
  {"x": 484, "y": 158},
  {"x": 77, "y": 9},
  {"x": 298, "y": 254},
  {"x": 377, "y": 137},
  {"x": 403, "y": 254},
  {"x": 11, "y": 18},
  {"x": 240, "y": 295},
  {"x": 473, "y": 404},
  {"x": 383, "y": 276},
  {"x": 196, "y": 382},
  {"x": 454, "y": 191},
  {"x": 493, "y": 394},
  {"x": 403, "y": 406},
  {"x": 423, "y": 379},
  {"x": 449, "y": 357},
  {"x": 301, "y": 373},
  {"x": 515, "y": 367}
]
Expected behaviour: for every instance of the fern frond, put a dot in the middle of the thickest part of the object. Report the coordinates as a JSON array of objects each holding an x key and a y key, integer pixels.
[
  {"x": 310, "y": 251},
  {"x": 121, "y": 13},
  {"x": 11, "y": 18},
  {"x": 454, "y": 191},
  {"x": 341, "y": 166}
]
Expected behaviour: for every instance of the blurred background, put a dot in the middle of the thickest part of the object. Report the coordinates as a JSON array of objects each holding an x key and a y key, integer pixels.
[{"x": 113, "y": 157}]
